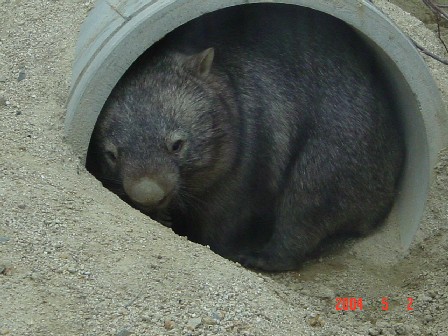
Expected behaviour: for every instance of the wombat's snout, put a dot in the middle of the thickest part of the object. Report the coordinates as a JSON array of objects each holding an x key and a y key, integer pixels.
[{"x": 149, "y": 192}]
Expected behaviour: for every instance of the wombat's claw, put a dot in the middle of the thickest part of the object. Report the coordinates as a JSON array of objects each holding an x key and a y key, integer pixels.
[
  {"x": 260, "y": 261},
  {"x": 251, "y": 261}
]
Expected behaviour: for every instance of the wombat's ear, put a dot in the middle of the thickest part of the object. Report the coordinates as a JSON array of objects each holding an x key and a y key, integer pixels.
[{"x": 201, "y": 63}]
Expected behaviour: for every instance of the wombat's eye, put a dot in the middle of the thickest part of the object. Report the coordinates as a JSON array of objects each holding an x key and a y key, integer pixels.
[
  {"x": 177, "y": 146},
  {"x": 110, "y": 153},
  {"x": 176, "y": 142},
  {"x": 111, "y": 156}
]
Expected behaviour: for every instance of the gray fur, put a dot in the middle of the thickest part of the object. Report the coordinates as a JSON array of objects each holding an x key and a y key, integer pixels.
[{"x": 259, "y": 140}]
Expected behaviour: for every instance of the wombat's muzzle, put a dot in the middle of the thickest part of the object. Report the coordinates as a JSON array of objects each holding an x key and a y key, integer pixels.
[{"x": 149, "y": 192}]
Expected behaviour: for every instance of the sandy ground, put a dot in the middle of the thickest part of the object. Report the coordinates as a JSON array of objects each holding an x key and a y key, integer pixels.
[{"x": 75, "y": 260}]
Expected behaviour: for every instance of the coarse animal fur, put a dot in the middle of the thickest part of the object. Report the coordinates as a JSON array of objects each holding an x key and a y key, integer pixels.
[{"x": 259, "y": 131}]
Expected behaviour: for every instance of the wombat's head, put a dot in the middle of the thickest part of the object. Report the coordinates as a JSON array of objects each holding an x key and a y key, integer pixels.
[{"x": 166, "y": 133}]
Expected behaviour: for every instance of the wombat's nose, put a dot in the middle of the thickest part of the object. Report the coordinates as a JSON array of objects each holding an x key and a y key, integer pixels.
[{"x": 145, "y": 192}]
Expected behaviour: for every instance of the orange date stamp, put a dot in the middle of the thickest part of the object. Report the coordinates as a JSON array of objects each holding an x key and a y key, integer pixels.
[{"x": 356, "y": 303}]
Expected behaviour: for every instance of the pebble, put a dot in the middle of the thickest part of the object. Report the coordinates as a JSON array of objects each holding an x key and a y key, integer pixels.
[
  {"x": 428, "y": 318},
  {"x": 374, "y": 332},
  {"x": 72, "y": 270},
  {"x": 316, "y": 321},
  {"x": 209, "y": 321},
  {"x": 22, "y": 76},
  {"x": 169, "y": 324},
  {"x": 424, "y": 297},
  {"x": 4, "y": 240},
  {"x": 218, "y": 316},
  {"x": 325, "y": 293},
  {"x": 6, "y": 271},
  {"x": 401, "y": 329},
  {"x": 124, "y": 332},
  {"x": 193, "y": 323},
  {"x": 433, "y": 294}
]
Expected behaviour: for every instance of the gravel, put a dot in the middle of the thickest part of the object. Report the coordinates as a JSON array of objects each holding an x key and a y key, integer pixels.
[{"x": 76, "y": 260}]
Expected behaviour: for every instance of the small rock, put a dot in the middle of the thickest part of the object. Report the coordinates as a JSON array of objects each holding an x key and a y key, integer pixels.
[
  {"x": 193, "y": 323},
  {"x": 169, "y": 324},
  {"x": 35, "y": 276},
  {"x": 219, "y": 315},
  {"x": 425, "y": 298},
  {"x": 5, "y": 270},
  {"x": 428, "y": 318},
  {"x": 316, "y": 321},
  {"x": 382, "y": 326},
  {"x": 22, "y": 75},
  {"x": 124, "y": 332},
  {"x": 325, "y": 293},
  {"x": 72, "y": 270},
  {"x": 374, "y": 332},
  {"x": 433, "y": 294},
  {"x": 401, "y": 329},
  {"x": 209, "y": 321},
  {"x": 4, "y": 240}
]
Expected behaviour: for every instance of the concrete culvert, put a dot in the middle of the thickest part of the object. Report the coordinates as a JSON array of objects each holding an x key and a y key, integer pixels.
[{"x": 116, "y": 33}]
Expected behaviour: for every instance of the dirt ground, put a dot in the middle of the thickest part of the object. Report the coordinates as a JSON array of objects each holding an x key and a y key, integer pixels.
[{"x": 76, "y": 260}]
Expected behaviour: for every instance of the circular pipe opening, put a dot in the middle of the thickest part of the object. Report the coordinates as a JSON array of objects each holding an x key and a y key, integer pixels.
[{"x": 116, "y": 33}]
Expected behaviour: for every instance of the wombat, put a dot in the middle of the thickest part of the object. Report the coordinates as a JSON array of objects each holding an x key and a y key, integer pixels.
[{"x": 258, "y": 130}]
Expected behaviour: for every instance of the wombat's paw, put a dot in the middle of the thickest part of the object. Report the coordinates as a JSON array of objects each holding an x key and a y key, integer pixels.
[{"x": 268, "y": 262}]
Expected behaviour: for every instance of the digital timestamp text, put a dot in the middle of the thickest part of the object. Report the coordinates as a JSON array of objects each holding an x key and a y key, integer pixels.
[{"x": 354, "y": 303}]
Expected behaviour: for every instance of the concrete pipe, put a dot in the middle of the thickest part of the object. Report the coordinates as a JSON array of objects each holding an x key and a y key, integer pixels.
[{"x": 117, "y": 32}]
